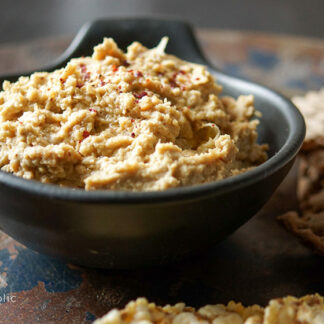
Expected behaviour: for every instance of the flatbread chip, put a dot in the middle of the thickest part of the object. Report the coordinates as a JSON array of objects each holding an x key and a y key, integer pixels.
[
  {"x": 309, "y": 228},
  {"x": 308, "y": 222},
  {"x": 289, "y": 310},
  {"x": 312, "y": 108}
]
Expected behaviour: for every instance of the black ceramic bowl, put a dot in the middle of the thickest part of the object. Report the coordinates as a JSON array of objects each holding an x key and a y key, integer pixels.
[{"x": 113, "y": 229}]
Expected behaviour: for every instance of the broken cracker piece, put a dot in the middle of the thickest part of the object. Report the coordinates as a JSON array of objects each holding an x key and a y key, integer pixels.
[
  {"x": 309, "y": 228},
  {"x": 308, "y": 224},
  {"x": 310, "y": 173},
  {"x": 312, "y": 108},
  {"x": 290, "y": 310}
]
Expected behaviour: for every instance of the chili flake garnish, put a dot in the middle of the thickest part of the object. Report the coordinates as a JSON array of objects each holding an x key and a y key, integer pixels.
[
  {"x": 125, "y": 63},
  {"x": 138, "y": 74},
  {"x": 197, "y": 78},
  {"x": 85, "y": 134},
  {"x": 83, "y": 68},
  {"x": 114, "y": 68},
  {"x": 93, "y": 110},
  {"x": 132, "y": 120},
  {"x": 87, "y": 76},
  {"x": 182, "y": 71},
  {"x": 140, "y": 95},
  {"x": 79, "y": 85},
  {"x": 102, "y": 83},
  {"x": 133, "y": 135},
  {"x": 173, "y": 84}
]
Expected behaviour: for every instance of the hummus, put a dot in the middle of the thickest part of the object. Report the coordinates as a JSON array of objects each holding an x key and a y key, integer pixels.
[{"x": 141, "y": 120}]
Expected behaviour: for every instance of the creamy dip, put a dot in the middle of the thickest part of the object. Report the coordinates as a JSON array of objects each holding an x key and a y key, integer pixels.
[{"x": 141, "y": 120}]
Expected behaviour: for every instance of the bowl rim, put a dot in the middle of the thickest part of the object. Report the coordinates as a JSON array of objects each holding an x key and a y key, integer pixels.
[{"x": 283, "y": 156}]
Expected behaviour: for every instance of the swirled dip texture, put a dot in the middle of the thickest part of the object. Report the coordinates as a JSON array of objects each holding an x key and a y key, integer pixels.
[{"x": 141, "y": 120}]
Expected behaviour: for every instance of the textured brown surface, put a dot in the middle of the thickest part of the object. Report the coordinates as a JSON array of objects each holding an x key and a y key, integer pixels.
[{"x": 259, "y": 262}]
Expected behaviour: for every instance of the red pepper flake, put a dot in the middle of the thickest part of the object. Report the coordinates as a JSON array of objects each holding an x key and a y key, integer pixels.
[
  {"x": 189, "y": 107},
  {"x": 83, "y": 68},
  {"x": 173, "y": 84},
  {"x": 160, "y": 73},
  {"x": 138, "y": 74},
  {"x": 85, "y": 134},
  {"x": 183, "y": 88},
  {"x": 79, "y": 85},
  {"x": 114, "y": 68},
  {"x": 130, "y": 71},
  {"x": 214, "y": 125},
  {"x": 133, "y": 135},
  {"x": 182, "y": 71},
  {"x": 87, "y": 76},
  {"x": 102, "y": 83},
  {"x": 197, "y": 78},
  {"x": 140, "y": 95},
  {"x": 62, "y": 80},
  {"x": 132, "y": 120},
  {"x": 125, "y": 63},
  {"x": 93, "y": 110},
  {"x": 119, "y": 87}
]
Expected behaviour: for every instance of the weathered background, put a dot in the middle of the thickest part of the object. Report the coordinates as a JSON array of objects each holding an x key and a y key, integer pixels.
[{"x": 21, "y": 19}]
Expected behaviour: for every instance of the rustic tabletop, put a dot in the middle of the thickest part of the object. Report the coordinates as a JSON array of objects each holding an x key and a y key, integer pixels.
[{"x": 258, "y": 262}]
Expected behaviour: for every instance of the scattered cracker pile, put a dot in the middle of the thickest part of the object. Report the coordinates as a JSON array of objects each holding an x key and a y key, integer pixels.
[
  {"x": 308, "y": 224},
  {"x": 289, "y": 310}
]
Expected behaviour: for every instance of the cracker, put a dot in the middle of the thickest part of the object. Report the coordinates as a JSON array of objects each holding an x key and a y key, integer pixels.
[
  {"x": 312, "y": 107},
  {"x": 308, "y": 223},
  {"x": 288, "y": 310},
  {"x": 310, "y": 174},
  {"x": 309, "y": 228}
]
